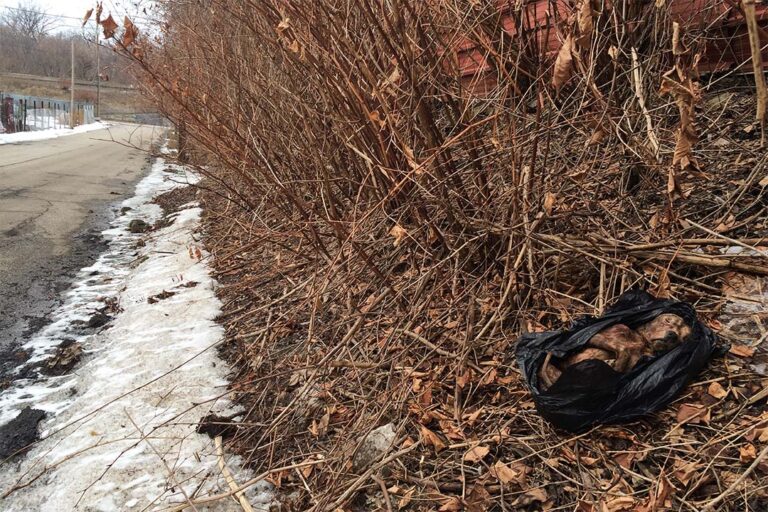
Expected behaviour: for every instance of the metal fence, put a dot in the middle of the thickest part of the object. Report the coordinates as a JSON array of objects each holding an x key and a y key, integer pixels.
[{"x": 19, "y": 113}]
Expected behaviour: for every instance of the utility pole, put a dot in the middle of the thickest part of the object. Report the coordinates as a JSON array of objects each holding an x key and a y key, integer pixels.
[
  {"x": 72, "y": 88},
  {"x": 98, "y": 73}
]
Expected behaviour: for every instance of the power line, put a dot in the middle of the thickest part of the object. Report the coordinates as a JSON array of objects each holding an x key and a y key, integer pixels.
[{"x": 62, "y": 16}]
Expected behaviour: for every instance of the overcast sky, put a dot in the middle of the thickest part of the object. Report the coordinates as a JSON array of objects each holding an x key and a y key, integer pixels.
[{"x": 66, "y": 10}]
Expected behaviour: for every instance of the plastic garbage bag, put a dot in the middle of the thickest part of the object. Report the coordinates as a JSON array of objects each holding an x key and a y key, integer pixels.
[{"x": 592, "y": 391}]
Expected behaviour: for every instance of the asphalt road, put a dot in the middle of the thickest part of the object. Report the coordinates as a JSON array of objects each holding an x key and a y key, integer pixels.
[{"x": 56, "y": 196}]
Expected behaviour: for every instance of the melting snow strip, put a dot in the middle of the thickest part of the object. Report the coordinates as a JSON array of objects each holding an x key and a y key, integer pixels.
[
  {"x": 120, "y": 434},
  {"x": 52, "y": 133}
]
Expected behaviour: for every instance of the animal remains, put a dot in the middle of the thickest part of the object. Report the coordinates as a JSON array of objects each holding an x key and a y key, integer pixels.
[{"x": 621, "y": 347}]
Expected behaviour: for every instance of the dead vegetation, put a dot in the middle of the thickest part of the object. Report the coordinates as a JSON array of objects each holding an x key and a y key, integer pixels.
[{"x": 385, "y": 227}]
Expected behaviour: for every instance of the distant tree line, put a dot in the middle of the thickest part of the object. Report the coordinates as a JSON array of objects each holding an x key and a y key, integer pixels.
[{"x": 34, "y": 42}]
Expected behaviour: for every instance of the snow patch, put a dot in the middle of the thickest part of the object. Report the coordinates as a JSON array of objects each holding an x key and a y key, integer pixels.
[
  {"x": 121, "y": 435},
  {"x": 15, "y": 138}
]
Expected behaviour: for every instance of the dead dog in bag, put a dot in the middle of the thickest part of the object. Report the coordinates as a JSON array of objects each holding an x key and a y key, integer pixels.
[{"x": 621, "y": 347}]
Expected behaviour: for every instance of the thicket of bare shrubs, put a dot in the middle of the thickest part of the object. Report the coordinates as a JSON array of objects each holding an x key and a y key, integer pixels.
[{"x": 385, "y": 227}]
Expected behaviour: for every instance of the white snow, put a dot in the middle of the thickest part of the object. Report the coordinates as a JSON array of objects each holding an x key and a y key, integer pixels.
[
  {"x": 14, "y": 138},
  {"x": 121, "y": 428}
]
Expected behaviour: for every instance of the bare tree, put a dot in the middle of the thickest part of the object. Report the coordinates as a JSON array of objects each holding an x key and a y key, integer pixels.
[{"x": 27, "y": 19}]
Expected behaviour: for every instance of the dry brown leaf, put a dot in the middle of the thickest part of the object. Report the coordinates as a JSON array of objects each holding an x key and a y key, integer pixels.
[
  {"x": 477, "y": 453},
  {"x": 504, "y": 474},
  {"x": 450, "y": 430},
  {"x": 563, "y": 64},
  {"x": 432, "y": 439},
  {"x": 464, "y": 378},
  {"x": 726, "y": 224},
  {"x": 598, "y": 135},
  {"x": 625, "y": 460},
  {"x": 763, "y": 182},
  {"x": 663, "y": 286},
  {"x": 550, "y": 200},
  {"x": 693, "y": 413},
  {"x": 406, "y": 499},
  {"x": 716, "y": 390},
  {"x": 741, "y": 350},
  {"x": 319, "y": 428},
  {"x": 478, "y": 499},
  {"x": 394, "y": 77},
  {"x": 586, "y": 23},
  {"x": 452, "y": 505},
  {"x": 489, "y": 378},
  {"x": 531, "y": 496},
  {"x": 618, "y": 504},
  {"x": 130, "y": 33},
  {"x": 294, "y": 46},
  {"x": 658, "y": 497},
  {"x": 109, "y": 26},
  {"x": 399, "y": 233},
  {"x": 687, "y": 93},
  {"x": 376, "y": 118},
  {"x": 747, "y": 453},
  {"x": 87, "y": 16},
  {"x": 684, "y": 472},
  {"x": 472, "y": 417}
]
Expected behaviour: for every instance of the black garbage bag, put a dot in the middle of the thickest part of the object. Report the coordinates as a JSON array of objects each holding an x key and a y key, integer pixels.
[{"x": 592, "y": 391}]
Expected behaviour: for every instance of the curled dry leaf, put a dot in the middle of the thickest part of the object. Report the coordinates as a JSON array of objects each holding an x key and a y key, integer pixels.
[
  {"x": 131, "y": 32},
  {"x": 550, "y": 200},
  {"x": 661, "y": 491},
  {"x": 586, "y": 23},
  {"x": 747, "y": 453},
  {"x": 431, "y": 439},
  {"x": 716, "y": 390},
  {"x": 687, "y": 94},
  {"x": 505, "y": 474},
  {"x": 109, "y": 26},
  {"x": 399, "y": 233},
  {"x": 685, "y": 471},
  {"x": 563, "y": 64},
  {"x": 618, "y": 504},
  {"x": 87, "y": 16},
  {"x": 406, "y": 499},
  {"x": 452, "y": 504},
  {"x": 626, "y": 459}
]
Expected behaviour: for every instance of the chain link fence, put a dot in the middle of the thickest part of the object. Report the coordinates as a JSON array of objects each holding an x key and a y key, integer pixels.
[{"x": 19, "y": 113}]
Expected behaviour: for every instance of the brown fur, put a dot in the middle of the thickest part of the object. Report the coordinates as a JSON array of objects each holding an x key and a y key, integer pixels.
[{"x": 621, "y": 347}]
